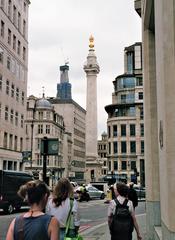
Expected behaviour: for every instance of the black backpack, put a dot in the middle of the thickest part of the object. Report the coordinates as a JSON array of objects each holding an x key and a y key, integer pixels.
[{"x": 122, "y": 222}]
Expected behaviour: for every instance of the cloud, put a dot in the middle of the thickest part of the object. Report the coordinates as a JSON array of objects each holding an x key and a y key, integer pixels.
[{"x": 60, "y": 29}]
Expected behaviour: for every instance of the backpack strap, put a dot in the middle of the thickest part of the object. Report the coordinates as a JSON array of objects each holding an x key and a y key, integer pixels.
[{"x": 119, "y": 204}]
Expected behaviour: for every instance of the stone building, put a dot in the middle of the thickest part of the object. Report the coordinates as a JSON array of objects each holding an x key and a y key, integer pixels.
[
  {"x": 13, "y": 81},
  {"x": 158, "y": 31},
  {"x": 74, "y": 120},
  {"x": 125, "y": 120},
  {"x": 42, "y": 121},
  {"x": 102, "y": 153}
]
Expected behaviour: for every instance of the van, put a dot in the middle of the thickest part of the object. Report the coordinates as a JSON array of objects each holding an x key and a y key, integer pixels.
[{"x": 10, "y": 182}]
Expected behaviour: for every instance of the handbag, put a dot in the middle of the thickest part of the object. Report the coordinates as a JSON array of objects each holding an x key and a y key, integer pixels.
[{"x": 70, "y": 232}]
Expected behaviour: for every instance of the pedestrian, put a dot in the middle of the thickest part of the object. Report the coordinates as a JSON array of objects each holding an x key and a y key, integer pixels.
[
  {"x": 121, "y": 215},
  {"x": 132, "y": 195},
  {"x": 34, "y": 224},
  {"x": 59, "y": 205}
]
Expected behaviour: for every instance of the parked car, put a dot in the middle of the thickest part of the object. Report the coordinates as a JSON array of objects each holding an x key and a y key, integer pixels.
[
  {"x": 94, "y": 192},
  {"x": 10, "y": 181},
  {"x": 141, "y": 193}
]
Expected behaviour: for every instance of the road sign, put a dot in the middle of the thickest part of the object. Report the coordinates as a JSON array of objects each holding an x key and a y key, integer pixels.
[{"x": 26, "y": 156}]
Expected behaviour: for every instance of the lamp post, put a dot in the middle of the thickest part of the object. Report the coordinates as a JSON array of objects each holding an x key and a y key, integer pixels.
[{"x": 45, "y": 153}]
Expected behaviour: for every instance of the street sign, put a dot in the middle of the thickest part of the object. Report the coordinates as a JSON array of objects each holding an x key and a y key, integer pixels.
[
  {"x": 52, "y": 146},
  {"x": 26, "y": 156}
]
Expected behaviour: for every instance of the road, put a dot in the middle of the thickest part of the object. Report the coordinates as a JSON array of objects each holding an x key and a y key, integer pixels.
[{"x": 92, "y": 213}]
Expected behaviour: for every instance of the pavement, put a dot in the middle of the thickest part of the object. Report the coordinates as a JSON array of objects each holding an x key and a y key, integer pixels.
[{"x": 101, "y": 231}]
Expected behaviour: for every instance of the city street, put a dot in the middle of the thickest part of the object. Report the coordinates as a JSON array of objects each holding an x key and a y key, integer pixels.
[{"x": 93, "y": 215}]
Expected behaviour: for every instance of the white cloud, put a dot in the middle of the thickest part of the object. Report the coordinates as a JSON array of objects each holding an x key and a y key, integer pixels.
[{"x": 61, "y": 28}]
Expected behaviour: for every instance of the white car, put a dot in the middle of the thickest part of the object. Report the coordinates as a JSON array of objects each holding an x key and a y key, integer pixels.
[{"x": 94, "y": 192}]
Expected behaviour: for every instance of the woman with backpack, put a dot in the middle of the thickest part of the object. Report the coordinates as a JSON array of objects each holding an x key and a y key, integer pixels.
[
  {"x": 34, "y": 224},
  {"x": 121, "y": 215},
  {"x": 62, "y": 204}
]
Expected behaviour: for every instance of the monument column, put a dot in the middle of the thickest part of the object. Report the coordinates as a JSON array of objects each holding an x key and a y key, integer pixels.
[{"x": 91, "y": 68}]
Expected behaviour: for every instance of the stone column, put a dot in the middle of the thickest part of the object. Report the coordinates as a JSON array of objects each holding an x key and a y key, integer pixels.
[
  {"x": 165, "y": 74},
  {"x": 91, "y": 68},
  {"x": 151, "y": 134}
]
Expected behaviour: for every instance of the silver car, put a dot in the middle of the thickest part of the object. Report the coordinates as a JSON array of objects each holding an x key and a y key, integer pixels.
[{"x": 95, "y": 193}]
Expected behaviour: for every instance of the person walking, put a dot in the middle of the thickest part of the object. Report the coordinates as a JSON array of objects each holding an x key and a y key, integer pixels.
[
  {"x": 59, "y": 205},
  {"x": 34, "y": 224},
  {"x": 132, "y": 195},
  {"x": 121, "y": 215}
]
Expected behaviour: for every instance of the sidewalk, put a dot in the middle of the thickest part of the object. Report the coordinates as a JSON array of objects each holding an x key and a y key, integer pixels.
[{"x": 101, "y": 232}]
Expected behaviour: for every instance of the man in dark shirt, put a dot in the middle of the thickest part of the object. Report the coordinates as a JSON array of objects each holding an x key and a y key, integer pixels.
[{"x": 132, "y": 195}]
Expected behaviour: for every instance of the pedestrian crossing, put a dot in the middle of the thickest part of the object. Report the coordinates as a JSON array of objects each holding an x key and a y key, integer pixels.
[{"x": 91, "y": 203}]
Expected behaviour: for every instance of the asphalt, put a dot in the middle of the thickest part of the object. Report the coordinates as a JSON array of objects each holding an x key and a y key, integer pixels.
[{"x": 101, "y": 231}]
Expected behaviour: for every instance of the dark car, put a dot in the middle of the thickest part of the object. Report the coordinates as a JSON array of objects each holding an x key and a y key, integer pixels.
[
  {"x": 141, "y": 193},
  {"x": 10, "y": 182}
]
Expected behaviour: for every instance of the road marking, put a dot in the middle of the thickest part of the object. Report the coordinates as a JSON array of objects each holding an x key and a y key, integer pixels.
[{"x": 84, "y": 227}]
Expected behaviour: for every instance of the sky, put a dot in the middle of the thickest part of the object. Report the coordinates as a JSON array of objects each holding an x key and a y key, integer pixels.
[{"x": 59, "y": 30}]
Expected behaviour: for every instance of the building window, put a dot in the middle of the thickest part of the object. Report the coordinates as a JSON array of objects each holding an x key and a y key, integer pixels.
[
  {"x": 2, "y": 29},
  {"x": 21, "y": 144},
  {"x": 17, "y": 94},
  {"x": 109, "y": 148},
  {"x": 24, "y": 53},
  {"x": 115, "y": 145},
  {"x": 16, "y": 118},
  {"x": 132, "y": 130},
  {"x": 124, "y": 165},
  {"x": 16, "y": 143},
  {"x": 19, "y": 47},
  {"x": 22, "y": 98},
  {"x": 9, "y": 8},
  {"x": 12, "y": 90},
  {"x": 24, "y": 28},
  {"x": 47, "y": 115},
  {"x": 47, "y": 129},
  {"x": 1, "y": 55},
  {"x": 40, "y": 115},
  {"x": 2, "y": 4},
  {"x": 133, "y": 147},
  {"x": 14, "y": 14},
  {"x": 14, "y": 42},
  {"x": 109, "y": 131},
  {"x": 19, "y": 21},
  {"x": 7, "y": 87},
  {"x": 11, "y": 142},
  {"x": 25, "y": 7},
  {"x": 142, "y": 147},
  {"x": 9, "y": 36},
  {"x": 142, "y": 130},
  {"x": 123, "y": 130},
  {"x": 0, "y": 82},
  {"x": 40, "y": 129},
  {"x": 123, "y": 147},
  {"x": 133, "y": 165},
  {"x": 115, "y": 165},
  {"x": 6, "y": 113},
  {"x": 141, "y": 113},
  {"x": 114, "y": 130},
  {"x": 8, "y": 62},
  {"x": 140, "y": 95},
  {"x": 139, "y": 81},
  {"x": 5, "y": 140},
  {"x": 22, "y": 120},
  {"x": 11, "y": 115}
]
